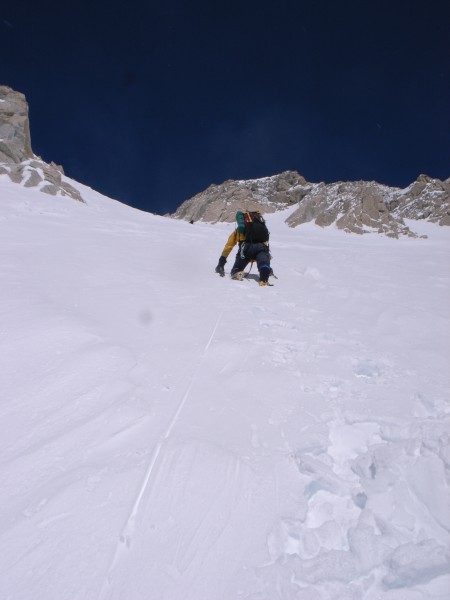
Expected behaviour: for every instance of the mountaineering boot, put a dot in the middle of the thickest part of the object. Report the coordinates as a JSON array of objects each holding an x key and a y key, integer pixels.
[
  {"x": 261, "y": 283},
  {"x": 238, "y": 275}
]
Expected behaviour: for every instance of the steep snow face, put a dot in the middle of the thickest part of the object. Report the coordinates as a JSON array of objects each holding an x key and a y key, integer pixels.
[{"x": 167, "y": 433}]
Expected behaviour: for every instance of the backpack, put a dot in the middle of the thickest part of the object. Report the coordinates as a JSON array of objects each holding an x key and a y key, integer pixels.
[{"x": 253, "y": 226}]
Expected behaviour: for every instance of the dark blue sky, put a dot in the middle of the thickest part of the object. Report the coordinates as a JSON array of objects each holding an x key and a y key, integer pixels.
[{"x": 151, "y": 102}]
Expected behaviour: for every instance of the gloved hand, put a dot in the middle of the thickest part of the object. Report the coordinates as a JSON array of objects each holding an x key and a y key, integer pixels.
[{"x": 220, "y": 267}]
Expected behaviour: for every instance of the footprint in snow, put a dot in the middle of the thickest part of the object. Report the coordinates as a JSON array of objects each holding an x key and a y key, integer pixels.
[{"x": 366, "y": 368}]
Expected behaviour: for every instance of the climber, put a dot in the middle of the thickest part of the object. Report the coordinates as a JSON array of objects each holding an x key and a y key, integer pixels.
[{"x": 252, "y": 236}]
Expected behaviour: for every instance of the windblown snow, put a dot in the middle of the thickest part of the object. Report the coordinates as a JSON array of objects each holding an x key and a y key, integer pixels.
[{"x": 167, "y": 434}]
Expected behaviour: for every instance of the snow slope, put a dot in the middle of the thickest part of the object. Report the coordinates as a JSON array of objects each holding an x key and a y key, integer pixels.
[{"x": 167, "y": 434}]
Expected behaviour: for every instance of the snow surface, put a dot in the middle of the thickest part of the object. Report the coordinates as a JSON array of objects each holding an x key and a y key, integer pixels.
[{"x": 167, "y": 434}]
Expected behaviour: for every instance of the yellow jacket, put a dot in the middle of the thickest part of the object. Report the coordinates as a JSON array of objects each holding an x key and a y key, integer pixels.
[{"x": 235, "y": 238}]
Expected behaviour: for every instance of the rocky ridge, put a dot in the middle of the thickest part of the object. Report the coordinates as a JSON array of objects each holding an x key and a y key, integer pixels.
[
  {"x": 358, "y": 207},
  {"x": 17, "y": 159},
  {"x": 354, "y": 206}
]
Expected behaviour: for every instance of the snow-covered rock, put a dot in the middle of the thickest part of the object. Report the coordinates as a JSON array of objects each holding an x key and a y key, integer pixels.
[
  {"x": 426, "y": 198},
  {"x": 354, "y": 206},
  {"x": 48, "y": 178},
  {"x": 220, "y": 202}
]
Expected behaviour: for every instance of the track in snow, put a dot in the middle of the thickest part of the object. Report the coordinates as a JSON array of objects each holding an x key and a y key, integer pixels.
[{"x": 126, "y": 537}]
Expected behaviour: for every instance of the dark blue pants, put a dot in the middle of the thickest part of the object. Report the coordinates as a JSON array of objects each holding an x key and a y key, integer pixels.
[{"x": 248, "y": 252}]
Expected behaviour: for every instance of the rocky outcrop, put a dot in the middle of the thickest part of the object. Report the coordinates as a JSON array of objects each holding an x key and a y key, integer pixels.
[
  {"x": 356, "y": 207},
  {"x": 48, "y": 178},
  {"x": 220, "y": 202},
  {"x": 17, "y": 159},
  {"x": 15, "y": 141},
  {"x": 426, "y": 198}
]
